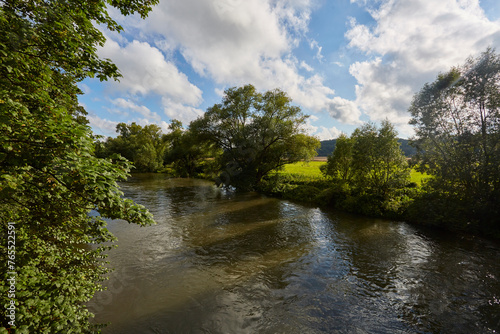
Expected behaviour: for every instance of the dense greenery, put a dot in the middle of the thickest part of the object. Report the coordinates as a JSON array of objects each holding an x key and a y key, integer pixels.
[
  {"x": 257, "y": 133},
  {"x": 50, "y": 179},
  {"x": 457, "y": 124},
  {"x": 328, "y": 146},
  {"x": 367, "y": 173},
  {"x": 188, "y": 155},
  {"x": 144, "y": 146}
]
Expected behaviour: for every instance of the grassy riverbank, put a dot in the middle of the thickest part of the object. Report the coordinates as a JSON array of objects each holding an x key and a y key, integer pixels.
[{"x": 303, "y": 181}]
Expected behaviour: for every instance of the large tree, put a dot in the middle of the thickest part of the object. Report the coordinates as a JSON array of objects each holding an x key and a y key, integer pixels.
[
  {"x": 50, "y": 180},
  {"x": 258, "y": 133},
  {"x": 457, "y": 125},
  {"x": 188, "y": 155},
  {"x": 144, "y": 146},
  {"x": 370, "y": 160}
]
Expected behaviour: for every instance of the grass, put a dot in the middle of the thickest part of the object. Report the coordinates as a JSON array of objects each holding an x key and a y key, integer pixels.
[
  {"x": 418, "y": 177},
  {"x": 311, "y": 170}
]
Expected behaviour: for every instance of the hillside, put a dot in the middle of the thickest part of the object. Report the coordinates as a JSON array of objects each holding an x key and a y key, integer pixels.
[{"x": 327, "y": 147}]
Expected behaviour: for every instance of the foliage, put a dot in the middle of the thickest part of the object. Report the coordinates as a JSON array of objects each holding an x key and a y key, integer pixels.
[
  {"x": 257, "y": 133},
  {"x": 377, "y": 161},
  {"x": 50, "y": 179},
  {"x": 339, "y": 165},
  {"x": 457, "y": 125},
  {"x": 370, "y": 160},
  {"x": 328, "y": 146},
  {"x": 189, "y": 155},
  {"x": 144, "y": 146}
]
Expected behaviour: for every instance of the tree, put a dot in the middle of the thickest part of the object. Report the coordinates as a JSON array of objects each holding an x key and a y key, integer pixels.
[
  {"x": 339, "y": 164},
  {"x": 187, "y": 154},
  {"x": 457, "y": 126},
  {"x": 258, "y": 133},
  {"x": 378, "y": 162},
  {"x": 144, "y": 146},
  {"x": 370, "y": 159},
  {"x": 50, "y": 179}
]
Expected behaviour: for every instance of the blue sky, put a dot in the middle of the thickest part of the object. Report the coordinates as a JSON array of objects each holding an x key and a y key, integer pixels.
[{"x": 344, "y": 62}]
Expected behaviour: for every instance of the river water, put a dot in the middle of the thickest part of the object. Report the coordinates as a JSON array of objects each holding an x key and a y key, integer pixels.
[{"x": 220, "y": 262}]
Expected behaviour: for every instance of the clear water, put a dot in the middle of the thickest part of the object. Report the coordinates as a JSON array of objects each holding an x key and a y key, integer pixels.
[{"x": 219, "y": 262}]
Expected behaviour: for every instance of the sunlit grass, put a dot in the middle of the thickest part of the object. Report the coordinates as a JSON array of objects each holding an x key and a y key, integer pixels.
[
  {"x": 418, "y": 177},
  {"x": 311, "y": 170}
]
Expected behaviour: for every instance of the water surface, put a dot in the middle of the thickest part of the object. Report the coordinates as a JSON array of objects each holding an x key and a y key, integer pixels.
[{"x": 219, "y": 262}]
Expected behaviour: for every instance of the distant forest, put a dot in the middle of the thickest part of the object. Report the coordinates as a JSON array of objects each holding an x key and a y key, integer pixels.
[{"x": 327, "y": 147}]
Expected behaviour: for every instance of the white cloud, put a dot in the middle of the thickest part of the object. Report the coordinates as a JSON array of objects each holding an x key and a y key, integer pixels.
[
  {"x": 103, "y": 126},
  {"x": 412, "y": 41},
  {"x": 325, "y": 133},
  {"x": 145, "y": 70},
  {"x": 180, "y": 112},
  {"x": 121, "y": 103},
  {"x": 306, "y": 66},
  {"x": 235, "y": 42}
]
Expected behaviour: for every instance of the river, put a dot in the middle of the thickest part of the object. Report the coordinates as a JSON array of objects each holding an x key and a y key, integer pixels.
[{"x": 221, "y": 262}]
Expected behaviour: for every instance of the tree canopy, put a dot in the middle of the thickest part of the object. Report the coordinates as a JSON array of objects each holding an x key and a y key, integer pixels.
[
  {"x": 370, "y": 159},
  {"x": 144, "y": 146},
  {"x": 457, "y": 125},
  {"x": 257, "y": 133},
  {"x": 50, "y": 180}
]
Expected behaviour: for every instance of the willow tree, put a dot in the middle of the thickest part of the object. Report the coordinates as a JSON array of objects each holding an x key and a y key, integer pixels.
[
  {"x": 457, "y": 126},
  {"x": 50, "y": 179},
  {"x": 257, "y": 133}
]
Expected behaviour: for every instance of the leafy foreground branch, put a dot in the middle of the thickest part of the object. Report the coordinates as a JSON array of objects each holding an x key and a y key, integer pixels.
[{"x": 50, "y": 179}]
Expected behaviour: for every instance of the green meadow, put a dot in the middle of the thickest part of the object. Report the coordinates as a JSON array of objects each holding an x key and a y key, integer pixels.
[{"x": 311, "y": 170}]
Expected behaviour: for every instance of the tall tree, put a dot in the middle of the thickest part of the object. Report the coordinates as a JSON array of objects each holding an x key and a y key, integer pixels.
[
  {"x": 378, "y": 162},
  {"x": 457, "y": 126},
  {"x": 339, "y": 164},
  {"x": 370, "y": 159},
  {"x": 50, "y": 179},
  {"x": 187, "y": 153},
  {"x": 144, "y": 146},
  {"x": 257, "y": 133}
]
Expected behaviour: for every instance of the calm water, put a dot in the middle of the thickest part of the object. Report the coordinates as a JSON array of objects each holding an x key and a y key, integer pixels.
[{"x": 219, "y": 262}]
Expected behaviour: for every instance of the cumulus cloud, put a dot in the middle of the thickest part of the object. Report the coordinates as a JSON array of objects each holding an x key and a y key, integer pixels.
[
  {"x": 103, "y": 126},
  {"x": 145, "y": 70},
  {"x": 124, "y": 104},
  {"x": 235, "y": 42},
  {"x": 411, "y": 42},
  {"x": 325, "y": 133},
  {"x": 180, "y": 112}
]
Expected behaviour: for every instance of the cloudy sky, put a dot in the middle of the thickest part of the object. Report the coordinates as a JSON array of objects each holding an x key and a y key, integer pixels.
[{"x": 344, "y": 62}]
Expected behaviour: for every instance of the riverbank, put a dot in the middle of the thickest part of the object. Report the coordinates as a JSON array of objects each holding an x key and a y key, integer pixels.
[{"x": 303, "y": 182}]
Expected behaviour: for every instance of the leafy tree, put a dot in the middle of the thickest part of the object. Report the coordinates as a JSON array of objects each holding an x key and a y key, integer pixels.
[
  {"x": 457, "y": 126},
  {"x": 188, "y": 154},
  {"x": 257, "y": 133},
  {"x": 50, "y": 179},
  {"x": 339, "y": 164},
  {"x": 378, "y": 163},
  {"x": 144, "y": 146},
  {"x": 370, "y": 160}
]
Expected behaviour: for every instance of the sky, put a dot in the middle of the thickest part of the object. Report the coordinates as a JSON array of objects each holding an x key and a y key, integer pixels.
[{"x": 343, "y": 62}]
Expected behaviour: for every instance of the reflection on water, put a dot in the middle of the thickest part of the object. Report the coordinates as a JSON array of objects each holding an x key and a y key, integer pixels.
[{"x": 219, "y": 262}]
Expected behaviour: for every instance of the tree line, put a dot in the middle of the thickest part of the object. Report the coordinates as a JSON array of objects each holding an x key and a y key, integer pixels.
[
  {"x": 237, "y": 142},
  {"x": 244, "y": 140}
]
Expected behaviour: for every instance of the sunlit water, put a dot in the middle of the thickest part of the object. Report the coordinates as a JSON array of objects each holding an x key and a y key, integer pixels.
[{"x": 219, "y": 262}]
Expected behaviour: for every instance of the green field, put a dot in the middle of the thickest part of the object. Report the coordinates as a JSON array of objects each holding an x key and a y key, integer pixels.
[{"x": 311, "y": 169}]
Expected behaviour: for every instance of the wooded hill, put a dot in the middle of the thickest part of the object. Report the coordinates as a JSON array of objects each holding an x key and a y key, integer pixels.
[{"x": 327, "y": 147}]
